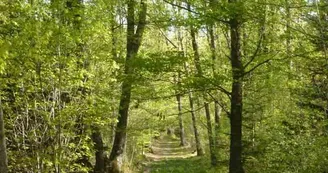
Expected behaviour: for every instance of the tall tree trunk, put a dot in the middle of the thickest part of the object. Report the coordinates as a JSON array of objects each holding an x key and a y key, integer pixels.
[
  {"x": 288, "y": 42},
  {"x": 181, "y": 128},
  {"x": 210, "y": 134},
  {"x": 217, "y": 115},
  {"x": 199, "y": 148},
  {"x": 178, "y": 96},
  {"x": 236, "y": 165},
  {"x": 99, "y": 147},
  {"x": 217, "y": 110},
  {"x": 132, "y": 47},
  {"x": 206, "y": 104},
  {"x": 3, "y": 153},
  {"x": 288, "y": 38}
]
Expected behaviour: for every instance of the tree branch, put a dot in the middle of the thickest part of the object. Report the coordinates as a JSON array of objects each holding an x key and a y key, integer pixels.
[
  {"x": 195, "y": 12},
  {"x": 181, "y": 7},
  {"x": 220, "y": 88},
  {"x": 258, "y": 48},
  {"x": 218, "y": 102},
  {"x": 255, "y": 67},
  {"x": 167, "y": 39}
]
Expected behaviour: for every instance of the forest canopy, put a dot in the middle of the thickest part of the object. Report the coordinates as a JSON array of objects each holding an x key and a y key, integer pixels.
[{"x": 113, "y": 86}]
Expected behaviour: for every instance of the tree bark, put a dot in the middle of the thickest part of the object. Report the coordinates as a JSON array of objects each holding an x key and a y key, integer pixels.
[
  {"x": 199, "y": 148},
  {"x": 3, "y": 153},
  {"x": 217, "y": 115},
  {"x": 181, "y": 128},
  {"x": 132, "y": 47},
  {"x": 217, "y": 110},
  {"x": 235, "y": 165},
  {"x": 178, "y": 97},
  {"x": 206, "y": 104},
  {"x": 210, "y": 135},
  {"x": 99, "y": 147}
]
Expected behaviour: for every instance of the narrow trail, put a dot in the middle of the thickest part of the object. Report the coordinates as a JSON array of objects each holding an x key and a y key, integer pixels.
[{"x": 166, "y": 149}]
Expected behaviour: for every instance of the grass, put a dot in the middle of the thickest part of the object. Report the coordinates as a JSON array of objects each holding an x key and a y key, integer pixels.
[
  {"x": 187, "y": 165},
  {"x": 169, "y": 157}
]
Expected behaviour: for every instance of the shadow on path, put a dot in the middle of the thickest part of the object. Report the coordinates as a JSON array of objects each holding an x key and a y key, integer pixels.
[{"x": 168, "y": 156}]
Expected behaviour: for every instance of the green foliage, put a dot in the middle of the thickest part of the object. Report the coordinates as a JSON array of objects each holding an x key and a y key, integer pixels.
[
  {"x": 197, "y": 165},
  {"x": 160, "y": 62},
  {"x": 62, "y": 64}
]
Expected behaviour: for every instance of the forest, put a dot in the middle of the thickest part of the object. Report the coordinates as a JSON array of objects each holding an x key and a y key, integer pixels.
[{"x": 164, "y": 86}]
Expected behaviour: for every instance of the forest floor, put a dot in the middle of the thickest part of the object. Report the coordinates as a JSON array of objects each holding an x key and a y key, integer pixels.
[{"x": 167, "y": 156}]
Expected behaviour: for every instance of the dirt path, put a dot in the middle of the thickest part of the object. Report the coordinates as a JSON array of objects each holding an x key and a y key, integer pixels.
[{"x": 164, "y": 149}]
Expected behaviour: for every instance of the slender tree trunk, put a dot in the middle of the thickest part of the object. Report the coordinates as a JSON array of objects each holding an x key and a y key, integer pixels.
[
  {"x": 181, "y": 128},
  {"x": 288, "y": 41},
  {"x": 236, "y": 165},
  {"x": 100, "y": 156},
  {"x": 206, "y": 104},
  {"x": 210, "y": 134},
  {"x": 217, "y": 115},
  {"x": 288, "y": 38},
  {"x": 213, "y": 4},
  {"x": 178, "y": 97},
  {"x": 132, "y": 47},
  {"x": 3, "y": 153},
  {"x": 199, "y": 148},
  {"x": 217, "y": 109}
]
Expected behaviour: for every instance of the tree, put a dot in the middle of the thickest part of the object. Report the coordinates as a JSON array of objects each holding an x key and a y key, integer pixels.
[
  {"x": 132, "y": 47},
  {"x": 3, "y": 151},
  {"x": 206, "y": 103},
  {"x": 178, "y": 97},
  {"x": 199, "y": 148},
  {"x": 235, "y": 165},
  {"x": 81, "y": 78}
]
